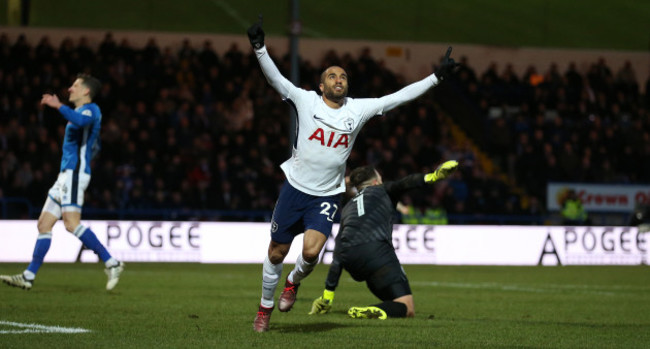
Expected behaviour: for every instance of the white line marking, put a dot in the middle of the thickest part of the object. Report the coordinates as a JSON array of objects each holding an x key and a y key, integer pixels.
[
  {"x": 232, "y": 13},
  {"x": 313, "y": 33},
  {"x": 244, "y": 23},
  {"x": 601, "y": 290},
  {"x": 36, "y": 328}
]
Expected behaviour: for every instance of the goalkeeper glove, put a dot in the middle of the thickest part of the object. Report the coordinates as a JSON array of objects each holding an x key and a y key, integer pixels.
[
  {"x": 256, "y": 34},
  {"x": 447, "y": 66},
  {"x": 322, "y": 304},
  {"x": 443, "y": 171}
]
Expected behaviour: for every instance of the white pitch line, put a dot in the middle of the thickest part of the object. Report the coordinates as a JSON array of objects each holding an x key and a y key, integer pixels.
[
  {"x": 232, "y": 13},
  {"x": 246, "y": 23},
  {"x": 36, "y": 328},
  {"x": 495, "y": 286}
]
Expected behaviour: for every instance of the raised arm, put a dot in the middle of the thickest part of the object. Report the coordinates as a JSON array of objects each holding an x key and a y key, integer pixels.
[
  {"x": 79, "y": 119},
  {"x": 417, "y": 89},
  {"x": 408, "y": 93},
  {"x": 397, "y": 188},
  {"x": 271, "y": 72}
]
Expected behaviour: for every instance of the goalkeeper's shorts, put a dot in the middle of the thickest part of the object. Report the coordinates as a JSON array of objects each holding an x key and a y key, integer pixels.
[{"x": 377, "y": 264}]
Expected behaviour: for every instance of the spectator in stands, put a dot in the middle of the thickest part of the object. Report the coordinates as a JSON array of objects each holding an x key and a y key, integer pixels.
[{"x": 573, "y": 213}]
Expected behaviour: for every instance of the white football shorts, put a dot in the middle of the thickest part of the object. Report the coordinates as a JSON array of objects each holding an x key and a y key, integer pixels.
[{"x": 67, "y": 193}]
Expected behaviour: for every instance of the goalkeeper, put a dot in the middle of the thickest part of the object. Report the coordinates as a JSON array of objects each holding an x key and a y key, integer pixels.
[{"x": 364, "y": 243}]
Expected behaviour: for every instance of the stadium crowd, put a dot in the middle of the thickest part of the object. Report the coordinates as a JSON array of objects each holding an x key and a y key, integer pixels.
[
  {"x": 191, "y": 129},
  {"x": 563, "y": 126}
]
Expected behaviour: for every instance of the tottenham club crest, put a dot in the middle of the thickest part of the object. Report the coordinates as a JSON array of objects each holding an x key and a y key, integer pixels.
[{"x": 349, "y": 124}]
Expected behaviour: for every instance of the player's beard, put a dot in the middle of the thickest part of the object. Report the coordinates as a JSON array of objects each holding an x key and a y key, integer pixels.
[{"x": 334, "y": 96}]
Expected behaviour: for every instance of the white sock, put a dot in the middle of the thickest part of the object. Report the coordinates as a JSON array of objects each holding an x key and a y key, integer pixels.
[
  {"x": 29, "y": 275},
  {"x": 111, "y": 262},
  {"x": 271, "y": 274},
  {"x": 301, "y": 270}
]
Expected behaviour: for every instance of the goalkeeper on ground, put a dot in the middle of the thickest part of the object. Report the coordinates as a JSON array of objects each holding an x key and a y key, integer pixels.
[{"x": 364, "y": 243}]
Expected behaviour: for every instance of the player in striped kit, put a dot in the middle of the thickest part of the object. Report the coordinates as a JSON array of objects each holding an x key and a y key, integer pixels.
[
  {"x": 327, "y": 127},
  {"x": 65, "y": 198}
]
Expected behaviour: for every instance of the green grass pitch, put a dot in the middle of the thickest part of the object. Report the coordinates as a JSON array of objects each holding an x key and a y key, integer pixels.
[{"x": 213, "y": 306}]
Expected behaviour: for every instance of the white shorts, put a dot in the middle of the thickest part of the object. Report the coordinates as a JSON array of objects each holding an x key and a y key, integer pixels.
[{"x": 67, "y": 193}]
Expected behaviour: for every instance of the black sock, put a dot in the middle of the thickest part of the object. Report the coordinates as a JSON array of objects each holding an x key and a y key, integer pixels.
[{"x": 393, "y": 309}]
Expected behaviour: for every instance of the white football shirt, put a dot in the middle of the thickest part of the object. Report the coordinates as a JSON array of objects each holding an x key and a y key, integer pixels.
[{"x": 325, "y": 135}]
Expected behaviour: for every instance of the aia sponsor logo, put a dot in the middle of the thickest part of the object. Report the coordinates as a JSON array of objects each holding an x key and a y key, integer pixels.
[{"x": 330, "y": 138}]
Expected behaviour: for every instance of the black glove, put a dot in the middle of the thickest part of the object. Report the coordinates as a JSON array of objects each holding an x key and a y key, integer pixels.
[
  {"x": 447, "y": 66},
  {"x": 256, "y": 34}
]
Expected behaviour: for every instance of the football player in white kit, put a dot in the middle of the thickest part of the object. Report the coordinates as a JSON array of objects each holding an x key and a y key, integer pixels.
[{"x": 326, "y": 129}]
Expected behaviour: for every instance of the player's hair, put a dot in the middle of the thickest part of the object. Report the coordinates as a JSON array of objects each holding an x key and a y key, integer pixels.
[
  {"x": 92, "y": 83},
  {"x": 323, "y": 76},
  {"x": 360, "y": 175}
]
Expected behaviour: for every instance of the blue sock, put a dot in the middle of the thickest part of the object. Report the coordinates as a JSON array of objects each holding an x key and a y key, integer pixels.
[
  {"x": 90, "y": 240},
  {"x": 43, "y": 243}
]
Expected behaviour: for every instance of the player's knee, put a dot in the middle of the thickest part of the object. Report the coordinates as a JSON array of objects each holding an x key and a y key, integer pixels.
[
  {"x": 42, "y": 226},
  {"x": 46, "y": 222},
  {"x": 277, "y": 252},
  {"x": 277, "y": 256},
  {"x": 310, "y": 256},
  {"x": 70, "y": 226}
]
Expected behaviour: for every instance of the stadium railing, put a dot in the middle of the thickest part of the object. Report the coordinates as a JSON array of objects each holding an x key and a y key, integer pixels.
[{"x": 13, "y": 208}]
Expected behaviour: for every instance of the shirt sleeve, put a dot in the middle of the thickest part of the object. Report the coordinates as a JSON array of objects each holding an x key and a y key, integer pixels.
[
  {"x": 397, "y": 188},
  {"x": 334, "y": 274},
  {"x": 81, "y": 119},
  {"x": 378, "y": 106},
  {"x": 408, "y": 93},
  {"x": 273, "y": 75}
]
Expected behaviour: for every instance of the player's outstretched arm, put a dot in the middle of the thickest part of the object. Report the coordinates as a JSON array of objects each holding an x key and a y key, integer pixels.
[
  {"x": 395, "y": 189},
  {"x": 80, "y": 119},
  {"x": 416, "y": 89},
  {"x": 443, "y": 171},
  {"x": 76, "y": 118},
  {"x": 270, "y": 70}
]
